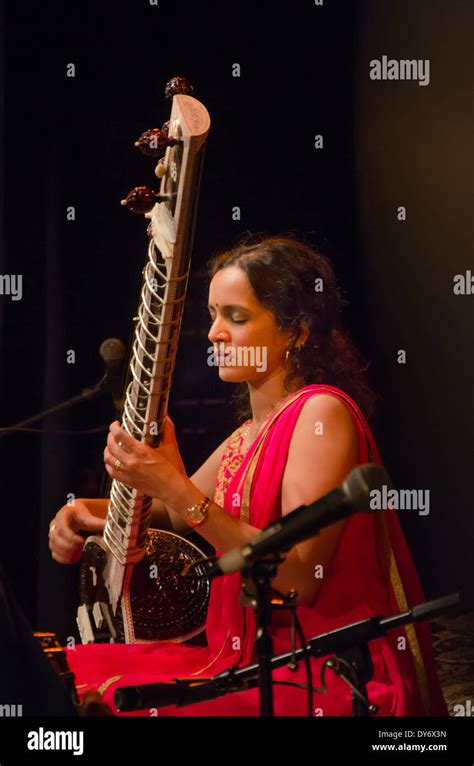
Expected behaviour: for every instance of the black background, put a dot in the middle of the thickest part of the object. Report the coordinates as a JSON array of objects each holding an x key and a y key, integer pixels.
[{"x": 304, "y": 71}]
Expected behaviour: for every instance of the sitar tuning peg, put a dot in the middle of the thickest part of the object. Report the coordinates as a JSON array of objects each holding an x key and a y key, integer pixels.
[
  {"x": 154, "y": 142},
  {"x": 141, "y": 199},
  {"x": 178, "y": 86}
]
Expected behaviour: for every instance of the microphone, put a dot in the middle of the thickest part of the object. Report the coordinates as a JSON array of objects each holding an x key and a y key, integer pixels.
[
  {"x": 351, "y": 496},
  {"x": 112, "y": 352},
  {"x": 141, "y": 696},
  {"x": 179, "y": 692}
]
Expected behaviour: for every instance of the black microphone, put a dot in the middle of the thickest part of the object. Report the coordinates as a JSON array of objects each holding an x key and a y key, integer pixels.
[
  {"x": 142, "y": 696},
  {"x": 351, "y": 496},
  {"x": 177, "y": 692},
  {"x": 113, "y": 352}
]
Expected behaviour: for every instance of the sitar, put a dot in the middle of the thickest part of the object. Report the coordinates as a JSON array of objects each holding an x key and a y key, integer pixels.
[{"x": 131, "y": 587}]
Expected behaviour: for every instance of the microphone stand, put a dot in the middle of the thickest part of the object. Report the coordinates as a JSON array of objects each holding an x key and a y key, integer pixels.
[
  {"x": 87, "y": 394},
  {"x": 342, "y": 641},
  {"x": 359, "y": 670},
  {"x": 259, "y": 575}
]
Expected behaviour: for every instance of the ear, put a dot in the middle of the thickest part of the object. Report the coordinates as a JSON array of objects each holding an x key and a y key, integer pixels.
[{"x": 303, "y": 335}]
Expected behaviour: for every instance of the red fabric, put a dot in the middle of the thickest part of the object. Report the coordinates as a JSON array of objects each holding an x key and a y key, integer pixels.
[{"x": 355, "y": 586}]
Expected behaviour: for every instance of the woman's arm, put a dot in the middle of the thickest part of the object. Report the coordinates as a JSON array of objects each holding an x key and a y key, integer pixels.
[
  {"x": 316, "y": 464},
  {"x": 324, "y": 449},
  {"x": 98, "y": 506},
  {"x": 88, "y": 514},
  {"x": 164, "y": 517}
]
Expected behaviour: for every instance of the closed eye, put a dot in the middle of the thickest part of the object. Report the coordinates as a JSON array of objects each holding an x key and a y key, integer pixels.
[{"x": 234, "y": 321}]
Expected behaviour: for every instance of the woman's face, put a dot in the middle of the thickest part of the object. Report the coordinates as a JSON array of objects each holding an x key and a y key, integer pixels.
[{"x": 248, "y": 346}]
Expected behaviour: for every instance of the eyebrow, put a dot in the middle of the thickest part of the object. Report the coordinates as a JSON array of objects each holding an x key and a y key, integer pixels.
[{"x": 230, "y": 306}]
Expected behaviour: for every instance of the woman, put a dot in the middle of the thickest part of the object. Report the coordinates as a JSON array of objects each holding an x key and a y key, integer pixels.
[{"x": 302, "y": 434}]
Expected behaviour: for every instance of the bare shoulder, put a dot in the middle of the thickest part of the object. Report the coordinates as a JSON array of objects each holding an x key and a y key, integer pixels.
[
  {"x": 324, "y": 448},
  {"x": 325, "y": 415}
]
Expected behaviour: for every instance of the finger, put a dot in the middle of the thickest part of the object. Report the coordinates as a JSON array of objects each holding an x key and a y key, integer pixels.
[
  {"x": 168, "y": 432},
  {"x": 122, "y": 475},
  {"x": 66, "y": 548},
  {"x": 122, "y": 438},
  {"x": 66, "y": 557},
  {"x": 110, "y": 450},
  {"x": 114, "y": 469},
  {"x": 113, "y": 472},
  {"x": 90, "y": 523},
  {"x": 65, "y": 535},
  {"x": 116, "y": 449},
  {"x": 109, "y": 457}
]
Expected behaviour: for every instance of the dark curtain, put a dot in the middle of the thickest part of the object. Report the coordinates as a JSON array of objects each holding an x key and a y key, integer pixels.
[{"x": 414, "y": 147}]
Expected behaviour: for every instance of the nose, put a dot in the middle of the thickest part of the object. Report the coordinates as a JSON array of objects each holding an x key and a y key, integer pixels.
[{"x": 218, "y": 332}]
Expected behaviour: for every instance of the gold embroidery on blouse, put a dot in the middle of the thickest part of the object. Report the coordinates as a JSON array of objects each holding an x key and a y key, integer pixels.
[{"x": 230, "y": 463}]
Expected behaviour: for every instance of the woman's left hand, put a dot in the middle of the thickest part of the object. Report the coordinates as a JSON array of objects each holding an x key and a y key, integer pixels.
[{"x": 145, "y": 468}]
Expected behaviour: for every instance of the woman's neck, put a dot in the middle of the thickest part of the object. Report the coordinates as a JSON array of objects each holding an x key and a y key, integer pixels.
[{"x": 266, "y": 397}]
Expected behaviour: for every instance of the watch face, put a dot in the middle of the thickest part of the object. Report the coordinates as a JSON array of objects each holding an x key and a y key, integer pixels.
[{"x": 195, "y": 514}]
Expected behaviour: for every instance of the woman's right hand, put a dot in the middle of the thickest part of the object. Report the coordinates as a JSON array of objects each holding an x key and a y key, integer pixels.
[{"x": 65, "y": 545}]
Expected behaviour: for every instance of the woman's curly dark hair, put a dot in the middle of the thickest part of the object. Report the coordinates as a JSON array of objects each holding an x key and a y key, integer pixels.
[{"x": 298, "y": 285}]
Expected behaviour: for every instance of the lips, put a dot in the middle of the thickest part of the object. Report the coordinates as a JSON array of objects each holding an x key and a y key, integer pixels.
[{"x": 223, "y": 360}]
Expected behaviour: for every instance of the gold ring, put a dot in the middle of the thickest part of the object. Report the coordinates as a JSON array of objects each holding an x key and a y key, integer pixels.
[{"x": 117, "y": 465}]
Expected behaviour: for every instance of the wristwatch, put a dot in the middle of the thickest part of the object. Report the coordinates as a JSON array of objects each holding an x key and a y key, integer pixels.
[{"x": 197, "y": 513}]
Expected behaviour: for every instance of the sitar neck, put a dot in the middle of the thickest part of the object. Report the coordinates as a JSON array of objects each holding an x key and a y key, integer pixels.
[{"x": 160, "y": 311}]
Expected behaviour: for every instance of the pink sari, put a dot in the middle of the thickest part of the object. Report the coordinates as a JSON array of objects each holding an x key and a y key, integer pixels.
[{"x": 371, "y": 573}]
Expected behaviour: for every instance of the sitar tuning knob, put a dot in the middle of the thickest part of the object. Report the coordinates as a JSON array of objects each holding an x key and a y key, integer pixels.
[
  {"x": 141, "y": 199},
  {"x": 178, "y": 86},
  {"x": 154, "y": 142}
]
